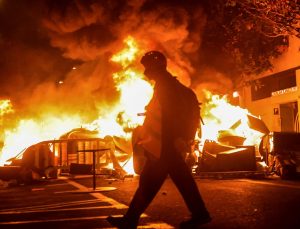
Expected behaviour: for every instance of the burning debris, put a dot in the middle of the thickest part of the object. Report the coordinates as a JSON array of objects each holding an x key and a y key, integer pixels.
[
  {"x": 118, "y": 121},
  {"x": 70, "y": 154},
  {"x": 112, "y": 130},
  {"x": 75, "y": 72}
]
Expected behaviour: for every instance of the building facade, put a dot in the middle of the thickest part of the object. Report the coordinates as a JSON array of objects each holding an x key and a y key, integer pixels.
[{"x": 276, "y": 99}]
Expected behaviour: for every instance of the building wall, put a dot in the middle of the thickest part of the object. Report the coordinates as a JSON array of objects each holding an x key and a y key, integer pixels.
[
  {"x": 298, "y": 97},
  {"x": 269, "y": 108}
]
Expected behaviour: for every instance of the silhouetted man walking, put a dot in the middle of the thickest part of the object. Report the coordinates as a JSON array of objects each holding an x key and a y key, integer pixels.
[{"x": 166, "y": 136}]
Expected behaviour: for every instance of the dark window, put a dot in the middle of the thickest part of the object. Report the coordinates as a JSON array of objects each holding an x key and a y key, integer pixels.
[{"x": 263, "y": 87}]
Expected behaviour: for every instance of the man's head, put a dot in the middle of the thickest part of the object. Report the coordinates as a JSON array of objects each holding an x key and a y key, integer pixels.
[{"x": 154, "y": 62}]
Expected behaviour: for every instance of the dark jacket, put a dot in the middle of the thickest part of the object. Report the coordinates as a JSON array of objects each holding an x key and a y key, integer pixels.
[{"x": 172, "y": 97}]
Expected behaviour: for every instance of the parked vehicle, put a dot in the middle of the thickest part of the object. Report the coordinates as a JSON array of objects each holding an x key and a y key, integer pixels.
[{"x": 282, "y": 153}]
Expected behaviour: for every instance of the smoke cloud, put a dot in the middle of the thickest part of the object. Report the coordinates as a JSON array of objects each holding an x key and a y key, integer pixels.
[{"x": 56, "y": 54}]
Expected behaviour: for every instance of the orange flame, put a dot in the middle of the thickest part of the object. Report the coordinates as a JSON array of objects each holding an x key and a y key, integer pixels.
[
  {"x": 5, "y": 107},
  {"x": 135, "y": 93},
  {"x": 219, "y": 114},
  {"x": 30, "y": 131}
]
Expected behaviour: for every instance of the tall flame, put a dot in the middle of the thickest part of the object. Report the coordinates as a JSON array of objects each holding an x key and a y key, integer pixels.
[
  {"x": 128, "y": 55},
  {"x": 219, "y": 114},
  {"x": 135, "y": 93}
]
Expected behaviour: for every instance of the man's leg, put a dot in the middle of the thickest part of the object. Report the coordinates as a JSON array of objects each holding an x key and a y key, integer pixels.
[
  {"x": 151, "y": 179},
  {"x": 184, "y": 181}
]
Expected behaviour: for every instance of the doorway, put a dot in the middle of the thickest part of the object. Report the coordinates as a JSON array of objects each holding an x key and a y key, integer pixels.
[{"x": 288, "y": 114}]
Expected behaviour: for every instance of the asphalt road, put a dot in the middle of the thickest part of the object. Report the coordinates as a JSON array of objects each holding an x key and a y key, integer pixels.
[{"x": 72, "y": 203}]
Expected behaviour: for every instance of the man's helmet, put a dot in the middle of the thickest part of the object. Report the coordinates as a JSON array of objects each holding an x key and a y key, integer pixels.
[{"x": 154, "y": 59}]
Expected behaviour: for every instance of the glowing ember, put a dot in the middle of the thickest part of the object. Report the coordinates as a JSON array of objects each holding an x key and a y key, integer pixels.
[{"x": 235, "y": 94}]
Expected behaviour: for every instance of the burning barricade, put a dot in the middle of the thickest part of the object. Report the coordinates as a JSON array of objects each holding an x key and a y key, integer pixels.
[
  {"x": 230, "y": 140},
  {"x": 118, "y": 157},
  {"x": 229, "y": 152},
  {"x": 71, "y": 155},
  {"x": 33, "y": 163}
]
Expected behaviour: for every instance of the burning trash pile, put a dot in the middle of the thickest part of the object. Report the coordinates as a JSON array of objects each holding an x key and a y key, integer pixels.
[
  {"x": 228, "y": 139},
  {"x": 236, "y": 148}
]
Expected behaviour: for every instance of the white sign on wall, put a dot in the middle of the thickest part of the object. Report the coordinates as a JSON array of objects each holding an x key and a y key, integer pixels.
[{"x": 284, "y": 91}]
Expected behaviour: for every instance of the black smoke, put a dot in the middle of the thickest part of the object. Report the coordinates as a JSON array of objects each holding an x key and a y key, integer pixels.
[{"x": 41, "y": 42}]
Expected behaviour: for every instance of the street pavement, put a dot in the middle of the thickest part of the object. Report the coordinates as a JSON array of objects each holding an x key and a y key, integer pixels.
[
  {"x": 71, "y": 202},
  {"x": 62, "y": 203}
]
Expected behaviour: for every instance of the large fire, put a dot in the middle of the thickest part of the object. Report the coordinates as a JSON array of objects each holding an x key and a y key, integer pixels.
[
  {"x": 135, "y": 93},
  {"x": 219, "y": 114}
]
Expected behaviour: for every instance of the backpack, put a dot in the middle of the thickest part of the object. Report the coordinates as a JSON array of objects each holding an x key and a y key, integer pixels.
[{"x": 189, "y": 115}]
